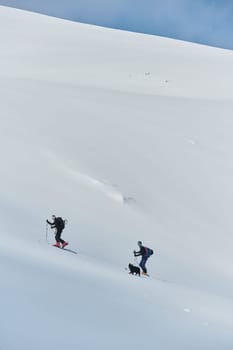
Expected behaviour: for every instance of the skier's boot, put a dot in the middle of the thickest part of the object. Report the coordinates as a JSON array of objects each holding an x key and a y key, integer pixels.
[
  {"x": 64, "y": 244},
  {"x": 57, "y": 245},
  {"x": 144, "y": 273}
]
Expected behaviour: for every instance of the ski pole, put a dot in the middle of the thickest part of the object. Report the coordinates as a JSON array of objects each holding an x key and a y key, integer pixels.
[
  {"x": 135, "y": 258},
  {"x": 47, "y": 232}
]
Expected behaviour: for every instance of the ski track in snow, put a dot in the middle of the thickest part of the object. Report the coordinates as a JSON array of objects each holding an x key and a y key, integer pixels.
[
  {"x": 93, "y": 184},
  {"x": 96, "y": 185}
]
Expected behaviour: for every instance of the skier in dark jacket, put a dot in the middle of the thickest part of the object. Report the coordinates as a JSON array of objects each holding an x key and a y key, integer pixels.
[
  {"x": 59, "y": 224},
  {"x": 145, "y": 253}
]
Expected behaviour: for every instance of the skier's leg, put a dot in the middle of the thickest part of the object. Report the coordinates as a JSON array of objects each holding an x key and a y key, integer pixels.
[
  {"x": 58, "y": 236},
  {"x": 57, "y": 244},
  {"x": 145, "y": 269},
  {"x": 143, "y": 263},
  {"x": 64, "y": 243}
]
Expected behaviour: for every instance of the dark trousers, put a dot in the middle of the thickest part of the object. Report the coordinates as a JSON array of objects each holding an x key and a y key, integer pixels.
[
  {"x": 143, "y": 263},
  {"x": 58, "y": 236}
]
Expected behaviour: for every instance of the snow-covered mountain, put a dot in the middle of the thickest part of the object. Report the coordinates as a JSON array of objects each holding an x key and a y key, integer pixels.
[{"x": 129, "y": 137}]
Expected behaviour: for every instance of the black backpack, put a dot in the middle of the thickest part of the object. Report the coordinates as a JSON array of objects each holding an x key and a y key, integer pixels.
[
  {"x": 60, "y": 223},
  {"x": 149, "y": 252}
]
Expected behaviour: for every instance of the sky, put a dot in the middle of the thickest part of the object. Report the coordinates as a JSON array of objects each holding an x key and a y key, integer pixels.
[{"x": 203, "y": 21}]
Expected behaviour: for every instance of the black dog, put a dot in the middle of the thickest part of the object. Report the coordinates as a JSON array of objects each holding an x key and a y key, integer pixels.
[{"x": 134, "y": 270}]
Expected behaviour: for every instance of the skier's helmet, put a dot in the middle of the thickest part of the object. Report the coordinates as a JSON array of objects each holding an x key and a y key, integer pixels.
[{"x": 139, "y": 243}]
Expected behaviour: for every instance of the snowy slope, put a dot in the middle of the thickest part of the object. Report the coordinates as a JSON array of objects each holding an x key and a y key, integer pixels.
[{"x": 129, "y": 137}]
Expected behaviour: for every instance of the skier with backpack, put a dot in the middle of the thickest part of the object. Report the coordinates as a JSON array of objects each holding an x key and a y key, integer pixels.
[
  {"x": 145, "y": 253},
  {"x": 59, "y": 224}
]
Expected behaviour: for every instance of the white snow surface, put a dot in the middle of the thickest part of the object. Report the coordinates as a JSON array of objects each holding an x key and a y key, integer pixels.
[{"x": 129, "y": 137}]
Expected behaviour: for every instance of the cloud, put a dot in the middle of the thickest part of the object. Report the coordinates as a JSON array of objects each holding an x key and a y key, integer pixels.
[{"x": 204, "y": 21}]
